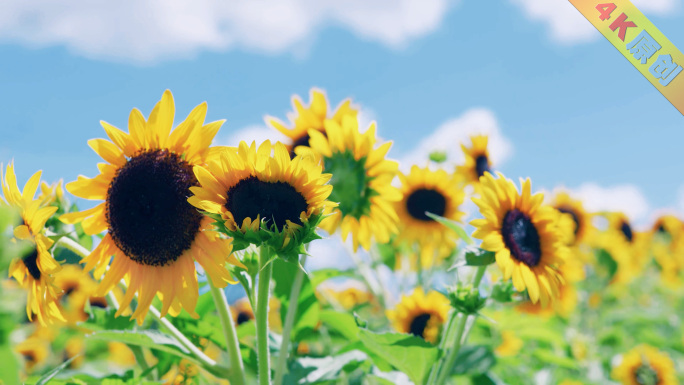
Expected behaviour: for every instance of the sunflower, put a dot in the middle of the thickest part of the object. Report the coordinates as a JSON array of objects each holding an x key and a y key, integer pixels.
[
  {"x": 421, "y": 315},
  {"x": 35, "y": 351},
  {"x": 361, "y": 180},
  {"x": 348, "y": 298},
  {"x": 582, "y": 228},
  {"x": 564, "y": 305},
  {"x": 34, "y": 271},
  {"x": 510, "y": 344},
  {"x": 645, "y": 365},
  {"x": 477, "y": 161},
  {"x": 76, "y": 287},
  {"x": 524, "y": 235},
  {"x": 120, "y": 354},
  {"x": 435, "y": 192},
  {"x": 262, "y": 198},
  {"x": 310, "y": 118},
  {"x": 153, "y": 234},
  {"x": 667, "y": 247},
  {"x": 241, "y": 311},
  {"x": 627, "y": 247},
  {"x": 75, "y": 349}
]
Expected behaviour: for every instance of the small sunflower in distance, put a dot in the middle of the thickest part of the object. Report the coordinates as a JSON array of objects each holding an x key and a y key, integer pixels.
[
  {"x": 361, "y": 180},
  {"x": 260, "y": 195},
  {"x": 421, "y": 315},
  {"x": 435, "y": 192},
  {"x": 645, "y": 365},
  {"x": 627, "y": 247},
  {"x": 582, "y": 227},
  {"x": 477, "y": 161},
  {"x": 35, "y": 270},
  {"x": 311, "y": 117},
  {"x": 524, "y": 235},
  {"x": 153, "y": 233}
]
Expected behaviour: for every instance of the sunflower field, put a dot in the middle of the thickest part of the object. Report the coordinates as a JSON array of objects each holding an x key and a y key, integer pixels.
[{"x": 183, "y": 262}]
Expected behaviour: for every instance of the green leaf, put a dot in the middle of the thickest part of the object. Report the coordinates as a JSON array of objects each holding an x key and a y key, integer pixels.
[
  {"x": 309, "y": 370},
  {"x": 154, "y": 339},
  {"x": 409, "y": 354},
  {"x": 475, "y": 256},
  {"x": 48, "y": 376},
  {"x": 341, "y": 323},
  {"x": 607, "y": 262},
  {"x": 308, "y": 308},
  {"x": 105, "y": 319},
  {"x": 473, "y": 360},
  {"x": 549, "y": 357},
  {"x": 319, "y": 276},
  {"x": 10, "y": 372},
  {"x": 438, "y": 156},
  {"x": 452, "y": 225}
]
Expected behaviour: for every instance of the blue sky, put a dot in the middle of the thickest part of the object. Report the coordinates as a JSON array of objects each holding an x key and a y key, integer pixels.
[{"x": 567, "y": 108}]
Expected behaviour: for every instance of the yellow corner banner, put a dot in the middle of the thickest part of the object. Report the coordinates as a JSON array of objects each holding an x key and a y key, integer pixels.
[{"x": 641, "y": 43}]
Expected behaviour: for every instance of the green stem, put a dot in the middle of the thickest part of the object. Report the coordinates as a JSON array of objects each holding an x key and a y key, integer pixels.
[
  {"x": 287, "y": 327},
  {"x": 200, "y": 358},
  {"x": 453, "y": 353},
  {"x": 140, "y": 359},
  {"x": 237, "y": 369},
  {"x": 72, "y": 246},
  {"x": 263, "y": 356},
  {"x": 445, "y": 369}
]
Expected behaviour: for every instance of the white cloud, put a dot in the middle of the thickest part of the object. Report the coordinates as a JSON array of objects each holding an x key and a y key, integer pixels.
[
  {"x": 627, "y": 198},
  {"x": 150, "y": 30},
  {"x": 449, "y": 136},
  {"x": 252, "y": 133},
  {"x": 567, "y": 25}
]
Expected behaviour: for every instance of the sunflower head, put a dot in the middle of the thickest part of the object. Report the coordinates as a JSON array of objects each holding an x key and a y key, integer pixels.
[
  {"x": 153, "y": 234},
  {"x": 35, "y": 269},
  {"x": 524, "y": 235},
  {"x": 426, "y": 191},
  {"x": 261, "y": 196},
  {"x": 581, "y": 227},
  {"x": 311, "y": 117},
  {"x": 627, "y": 247},
  {"x": 35, "y": 352},
  {"x": 477, "y": 161},
  {"x": 242, "y": 312},
  {"x": 420, "y": 315},
  {"x": 645, "y": 365},
  {"x": 361, "y": 180}
]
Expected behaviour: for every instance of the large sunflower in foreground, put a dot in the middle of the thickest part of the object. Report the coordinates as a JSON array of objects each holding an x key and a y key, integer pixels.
[
  {"x": 34, "y": 271},
  {"x": 260, "y": 195},
  {"x": 435, "y": 192},
  {"x": 420, "y": 314},
  {"x": 361, "y": 180},
  {"x": 645, "y": 365},
  {"x": 153, "y": 233},
  {"x": 524, "y": 235},
  {"x": 310, "y": 118},
  {"x": 477, "y": 160}
]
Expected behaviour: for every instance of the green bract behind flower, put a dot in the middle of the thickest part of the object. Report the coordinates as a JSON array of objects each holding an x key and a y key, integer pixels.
[{"x": 261, "y": 196}]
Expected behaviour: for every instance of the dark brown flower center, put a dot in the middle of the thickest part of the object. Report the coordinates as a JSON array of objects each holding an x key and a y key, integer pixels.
[
  {"x": 243, "y": 317},
  {"x": 646, "y": 375},
  {"x": 425, "y": 200},
  {"x": 573, "y": 214},
  {"x": 418, "y": 325},
  {"x": 149, "y": 217},
  {"x": 626, "y": 230},
  {"x": 31, "y": 262},
  {"x": 482, "y": 165},
  {"x": 275, "y": 202},
  {"x": 100, "y": 302},
  {"x": 521, "y": 237}
]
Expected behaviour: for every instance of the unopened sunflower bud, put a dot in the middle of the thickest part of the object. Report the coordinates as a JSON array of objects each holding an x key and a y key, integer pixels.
[{"x": 466, "y": 300}]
